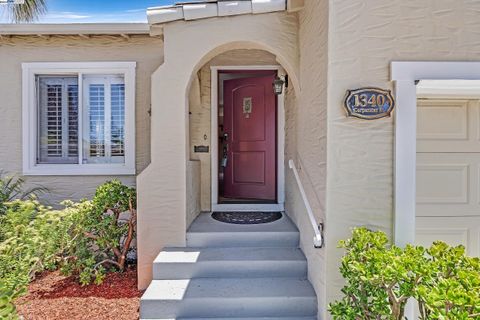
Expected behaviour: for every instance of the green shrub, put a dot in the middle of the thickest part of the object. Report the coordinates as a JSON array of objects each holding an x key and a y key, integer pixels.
[
  {"x": 451, "y": 288},
  {"x": 102, "y": 238},
  {"x": 13, "y": 187},
  {"x": 85, "y": 239},
  {"x": 35, "y": 239},
  {"x": 380, "y": 278}
]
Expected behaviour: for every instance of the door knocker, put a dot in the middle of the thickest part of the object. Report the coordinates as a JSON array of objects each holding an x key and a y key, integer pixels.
[{"x": 247, "y": 107}]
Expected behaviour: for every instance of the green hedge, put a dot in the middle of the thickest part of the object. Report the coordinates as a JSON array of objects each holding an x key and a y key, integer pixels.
[
  {"x": 86, "y": 239},
  {"x": 34, "y": 238},
  {"x": 380, "y": 278}
]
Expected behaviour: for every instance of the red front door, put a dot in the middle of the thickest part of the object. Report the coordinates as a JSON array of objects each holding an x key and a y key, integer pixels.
[{"x": 250, "y": 125}]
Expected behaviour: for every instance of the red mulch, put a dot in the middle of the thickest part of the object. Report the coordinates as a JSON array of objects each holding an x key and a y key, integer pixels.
[{"x": 55, "y": 297}]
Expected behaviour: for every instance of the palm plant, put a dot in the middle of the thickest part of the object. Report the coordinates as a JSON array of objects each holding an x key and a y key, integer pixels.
[
  {"x": 13, "y": 187},
  {"x": 28, "y": 11}
]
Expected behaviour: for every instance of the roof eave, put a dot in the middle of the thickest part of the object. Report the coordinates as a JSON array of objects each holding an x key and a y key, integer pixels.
[{"x": 75, "y": 29}]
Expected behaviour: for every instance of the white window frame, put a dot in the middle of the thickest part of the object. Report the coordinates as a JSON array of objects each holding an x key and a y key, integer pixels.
[{"x": 30, "y": 114}]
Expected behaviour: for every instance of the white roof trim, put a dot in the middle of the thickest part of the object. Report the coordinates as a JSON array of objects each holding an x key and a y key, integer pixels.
[
  {"x": 75, "y": 28},
  {"x": 230, "y": 8},
  {"x": 199, "y": 11},
  {"x": 211, "y": 8}
]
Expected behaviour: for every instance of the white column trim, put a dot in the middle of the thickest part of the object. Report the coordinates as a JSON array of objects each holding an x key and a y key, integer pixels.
[
  {"x": 405, "y": 162},
  {"x": 404, "y": 74}
]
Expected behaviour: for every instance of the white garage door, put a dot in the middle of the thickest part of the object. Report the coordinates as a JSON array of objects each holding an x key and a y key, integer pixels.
[{"x": 448, "y": 172}]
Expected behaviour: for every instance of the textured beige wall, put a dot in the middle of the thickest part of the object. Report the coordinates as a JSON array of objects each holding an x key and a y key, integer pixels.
[
  {"x": 188, "y": 46},
  {"x": 365, "y": 36},
  {"x": 200, "y": 112},
  {"x": 146, "y": 51},
  {"x": 193, "y": 191},
  {"x": 311, "y": 138}
]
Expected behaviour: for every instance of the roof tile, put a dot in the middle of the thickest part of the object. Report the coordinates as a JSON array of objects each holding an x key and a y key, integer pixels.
[{"x": 193, "y": 10}]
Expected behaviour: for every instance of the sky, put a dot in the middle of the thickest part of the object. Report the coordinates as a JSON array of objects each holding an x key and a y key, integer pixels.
[{"x": 88, "y": 11}]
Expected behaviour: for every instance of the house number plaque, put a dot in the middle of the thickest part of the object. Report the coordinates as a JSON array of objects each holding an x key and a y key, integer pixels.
[{"x": 369, "y": 103}]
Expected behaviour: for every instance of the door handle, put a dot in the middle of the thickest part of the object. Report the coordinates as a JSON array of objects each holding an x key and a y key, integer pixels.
[{"x": 225, "y": 152}]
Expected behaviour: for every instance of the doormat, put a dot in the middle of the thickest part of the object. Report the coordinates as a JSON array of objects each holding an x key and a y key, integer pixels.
[{"x": 246, "y": 217}]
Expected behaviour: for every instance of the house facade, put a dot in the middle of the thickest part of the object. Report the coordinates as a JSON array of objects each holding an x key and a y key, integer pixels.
[{"x": 159, "y": 105}]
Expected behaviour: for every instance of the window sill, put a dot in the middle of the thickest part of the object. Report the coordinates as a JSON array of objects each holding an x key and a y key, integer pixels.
[{"x": 77, "y": 170}]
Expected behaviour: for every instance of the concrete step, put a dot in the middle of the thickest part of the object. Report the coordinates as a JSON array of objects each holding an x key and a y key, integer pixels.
[
  {"x": 187, "y": 263},
  {"x": 207, "y": 232},
  {"x": 228, "y": 297}
]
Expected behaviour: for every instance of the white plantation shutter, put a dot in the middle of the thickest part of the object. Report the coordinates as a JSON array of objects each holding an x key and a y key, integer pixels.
[
  {"x": 58, "y": 119},
  {"x": 104, "y": 119},
  {"x": 96, "y": 120},
  {"x": 72, "y": 92},
  {"x": 117, "y": 91}
]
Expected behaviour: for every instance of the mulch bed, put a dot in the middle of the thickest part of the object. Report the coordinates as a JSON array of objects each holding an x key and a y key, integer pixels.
[{"x": 55, "y": 297}]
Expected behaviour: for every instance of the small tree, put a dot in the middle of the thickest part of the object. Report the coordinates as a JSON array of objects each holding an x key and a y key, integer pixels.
[
  {"x": 105, "y": 233},
  {"x": 381, "y": 278}
]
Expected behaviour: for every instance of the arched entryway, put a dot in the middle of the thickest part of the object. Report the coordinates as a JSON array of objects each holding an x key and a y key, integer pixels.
[{"x": 167, "y": 195}]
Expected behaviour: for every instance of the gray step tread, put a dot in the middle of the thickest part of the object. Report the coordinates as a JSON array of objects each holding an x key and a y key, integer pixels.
[
  {"x": 228, "y": 288},
  {"x": 195, "y": 255},
  {"x": 204, "y": 223}
]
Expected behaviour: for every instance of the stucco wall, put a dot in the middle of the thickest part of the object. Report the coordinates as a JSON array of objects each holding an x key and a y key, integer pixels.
[
  {"x": 365, "y": 36},
  {"x": 188, "y": 46},
  {"x": 193, "y": 191},
  {"x": 200, "y": 117},
  {"x": 311, "y": 139},
  {"x": 146, "y": 51}
]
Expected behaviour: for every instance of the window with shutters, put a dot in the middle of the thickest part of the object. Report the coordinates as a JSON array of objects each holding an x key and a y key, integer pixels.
[
  {"x": 57, "y": 119},
  {"x": 79, "y": 121}
]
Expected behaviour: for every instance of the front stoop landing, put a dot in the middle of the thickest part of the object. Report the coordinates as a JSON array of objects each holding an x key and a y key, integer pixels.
[{"x": 232, "y": 272}]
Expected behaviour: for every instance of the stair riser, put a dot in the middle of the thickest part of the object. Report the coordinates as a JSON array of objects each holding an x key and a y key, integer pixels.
[
  {"x": 243, "y": 239},
  {"x": 230, "y": 269},
  {"x": 237, "y": 307}
]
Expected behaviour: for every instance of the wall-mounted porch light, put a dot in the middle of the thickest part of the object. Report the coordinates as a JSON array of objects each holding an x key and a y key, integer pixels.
[{"x": 278, "y": 84}]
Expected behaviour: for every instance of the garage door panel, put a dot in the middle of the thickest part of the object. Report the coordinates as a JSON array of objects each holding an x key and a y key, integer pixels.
[
  {"x": 454, "y": 231},
  {"x": 447, "y": 184},
  {"x": 448, "y": 173},
  {"x": 448, "y": 126},
  {"x": 446, "y": 120}
]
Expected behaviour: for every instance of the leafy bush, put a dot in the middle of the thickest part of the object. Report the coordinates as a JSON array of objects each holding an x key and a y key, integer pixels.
[
  {"x": 451, "y": 287},
  {"x": 381, "y": 278},
  {"x": 83, "y": 239},
  {"x": 13, "y": 187},
  {"x": 103, "y": 235},
  {"x": 35, "y": 239}
]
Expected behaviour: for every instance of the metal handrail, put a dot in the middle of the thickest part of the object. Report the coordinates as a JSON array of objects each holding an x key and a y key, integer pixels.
[{"x": 317, "y": 227}]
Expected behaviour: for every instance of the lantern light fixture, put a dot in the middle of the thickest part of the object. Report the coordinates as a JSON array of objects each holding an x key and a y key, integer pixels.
[{"x": 278, "y": 84}]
